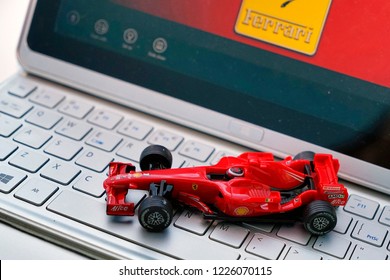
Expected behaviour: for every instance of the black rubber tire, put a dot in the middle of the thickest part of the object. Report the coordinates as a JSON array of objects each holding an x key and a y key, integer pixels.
[
  {"x": 155, "y": 213},
  {"x": 319, "y": 217},
  {"x": 155, "y": 157},
  {"x": 308, "y": 155}
]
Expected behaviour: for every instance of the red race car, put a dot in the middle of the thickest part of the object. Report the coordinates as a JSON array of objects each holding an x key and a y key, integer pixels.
[{"x": 251, "y": 187}]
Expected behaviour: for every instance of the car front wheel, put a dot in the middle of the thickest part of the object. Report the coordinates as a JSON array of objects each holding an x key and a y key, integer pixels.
[
  {"x": 155, "y": 213},
  {"x": 319, "y": 217}
]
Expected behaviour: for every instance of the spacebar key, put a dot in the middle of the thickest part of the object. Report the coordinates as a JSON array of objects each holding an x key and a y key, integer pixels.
[{"x": 173, "y": 241}]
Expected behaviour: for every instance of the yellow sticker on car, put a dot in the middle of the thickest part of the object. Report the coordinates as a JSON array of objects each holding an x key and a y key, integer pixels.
[{"x": 293, "y": 24}]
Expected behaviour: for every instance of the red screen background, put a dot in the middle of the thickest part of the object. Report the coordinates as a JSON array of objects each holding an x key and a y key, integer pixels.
[{"x": 355, "y": 40}]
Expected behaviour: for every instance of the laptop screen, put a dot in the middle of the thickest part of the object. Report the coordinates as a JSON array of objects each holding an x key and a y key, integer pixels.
[{"x": 314, "y": 70}]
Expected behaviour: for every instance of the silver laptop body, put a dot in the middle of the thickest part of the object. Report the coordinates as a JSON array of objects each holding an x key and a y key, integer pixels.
[{"x": 112, "y": 66}]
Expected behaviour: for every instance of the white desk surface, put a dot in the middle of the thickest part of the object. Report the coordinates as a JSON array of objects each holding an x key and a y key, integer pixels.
[{"x": 15, "y": 244}]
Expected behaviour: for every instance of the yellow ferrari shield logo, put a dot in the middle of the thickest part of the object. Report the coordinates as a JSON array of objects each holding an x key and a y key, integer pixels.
[{"x": 293, "y": 24}]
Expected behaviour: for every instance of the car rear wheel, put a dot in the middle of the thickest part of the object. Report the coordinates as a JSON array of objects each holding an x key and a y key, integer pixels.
[
  {"x": 308, "y": 155},
  {"x": 155, "y": 157},
  {"x": 319, "y": 217},
  {"x": 155, "y": 213}
]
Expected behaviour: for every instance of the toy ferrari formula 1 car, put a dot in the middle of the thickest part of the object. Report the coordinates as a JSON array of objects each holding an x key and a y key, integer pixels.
[{"x": 251, "y": 187}]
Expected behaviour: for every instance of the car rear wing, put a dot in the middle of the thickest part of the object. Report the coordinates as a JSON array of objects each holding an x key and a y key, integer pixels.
[{"x": 326, "y": 169}]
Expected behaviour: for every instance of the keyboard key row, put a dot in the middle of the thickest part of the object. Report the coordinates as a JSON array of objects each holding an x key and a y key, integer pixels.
[{"x": 361, "y": 206}]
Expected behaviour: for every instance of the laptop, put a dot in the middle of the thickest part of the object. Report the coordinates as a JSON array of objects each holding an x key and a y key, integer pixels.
[{"x": 104, "y": 79}]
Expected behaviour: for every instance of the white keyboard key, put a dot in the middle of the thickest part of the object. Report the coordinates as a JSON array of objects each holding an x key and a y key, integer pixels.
[
  {"x": 132, "y": 150},
  {"x": 166, "y": 139},
  {"x": 73, "y": 129},
  {"x": 366, "y": 252},
  {"x": 43, "y": 118},
  {"x": 266, "y": 227},
  {"x": 361, "y": 206},
  {"x": 105, "y": 119},
  {"x": 193, "y": 221},
  {"x": 32, "y": 137},
  {"x": 229, "y": 234},
  {"x": 10, "y": 178},
  {"x": 297, "y": 253},
  {"x": 294, "y": 232},
  {"x": 76, "y": 109},
  {"x": 332, "y": 244},
  {"x": 343, "y": 222},
  {"x": 104, "y": 140},
  {"x": 135, "y": 129},
  {"x": 46, "y": 97},
  {"x": 90, "y": 183},
  {"x": 8, "y": 125},
  {"x": 21, "y": 88},
  {"x": 36, "y": 191},
  {"x": 94, "y": 160},
  {"x": 197, "y": 151},
  {"x": 14, "y": 107},
  {"x": 385, "y": 216},
  {"x": 63, "y": 148},
  {"x": 370, "y": 232},
  {"x": 28, "y": 160},
  {"x": 6, "y": 149},
  {"x": 266, "y": 247},
  {"x": 60, "y": 172}
]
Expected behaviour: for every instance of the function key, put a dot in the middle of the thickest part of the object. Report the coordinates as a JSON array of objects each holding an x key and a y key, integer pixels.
[{"x": 361, "y": 206}]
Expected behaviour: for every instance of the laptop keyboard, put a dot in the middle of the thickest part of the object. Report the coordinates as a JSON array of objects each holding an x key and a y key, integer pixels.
[{"x": 55, "y": 148}]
